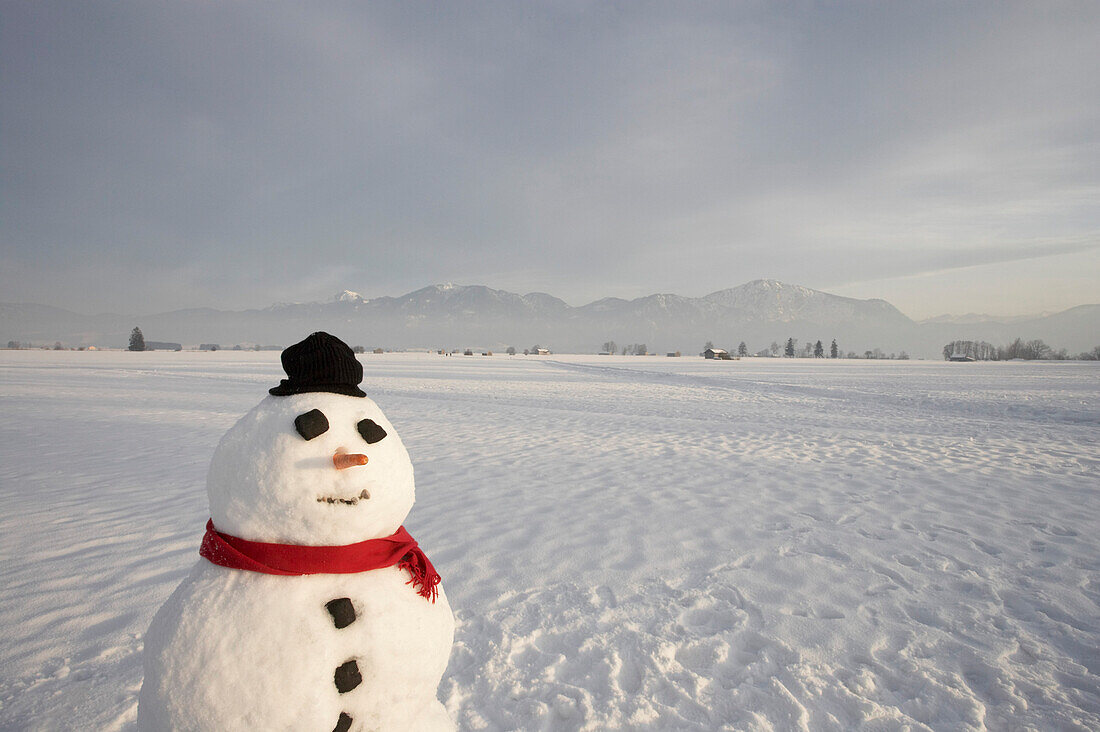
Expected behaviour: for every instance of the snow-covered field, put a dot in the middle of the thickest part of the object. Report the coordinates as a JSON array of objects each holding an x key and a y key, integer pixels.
[{"x": 628, "y": 543}]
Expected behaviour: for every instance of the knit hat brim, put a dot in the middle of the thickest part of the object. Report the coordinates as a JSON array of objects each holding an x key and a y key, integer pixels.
[{"x": 286, "y": 388}]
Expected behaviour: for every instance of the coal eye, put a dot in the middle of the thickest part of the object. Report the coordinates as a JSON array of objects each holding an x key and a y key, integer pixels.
[
  {"x": 370, "y": 431},
  {"x": 311, "y": 424}
]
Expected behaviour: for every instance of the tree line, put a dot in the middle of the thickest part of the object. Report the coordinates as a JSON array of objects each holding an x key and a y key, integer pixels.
[
  {"x": 1033, "y": 350},
  {"x": 631, "y": 349},
  {"x": 791, "y": 349}
]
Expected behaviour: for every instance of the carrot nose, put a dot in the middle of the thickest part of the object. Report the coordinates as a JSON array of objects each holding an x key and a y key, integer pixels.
[{"x": 344, "y": 460}]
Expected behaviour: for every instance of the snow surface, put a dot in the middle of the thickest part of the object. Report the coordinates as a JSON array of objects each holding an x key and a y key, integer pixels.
[{"x": 627, "y": 542}]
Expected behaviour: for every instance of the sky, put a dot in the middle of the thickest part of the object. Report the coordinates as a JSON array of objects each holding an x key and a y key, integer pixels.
[{"x": 161, "y": 155}]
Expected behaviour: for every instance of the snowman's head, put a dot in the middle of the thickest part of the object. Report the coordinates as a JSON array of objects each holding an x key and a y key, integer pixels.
[{"x": 311, "y": 467}]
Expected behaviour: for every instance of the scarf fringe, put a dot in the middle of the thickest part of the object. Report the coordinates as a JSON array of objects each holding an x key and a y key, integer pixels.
[{"x": 424, "y": 577}]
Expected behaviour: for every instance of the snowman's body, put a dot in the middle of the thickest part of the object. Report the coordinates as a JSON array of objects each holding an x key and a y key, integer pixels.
[{"x": 234, "y": 649}]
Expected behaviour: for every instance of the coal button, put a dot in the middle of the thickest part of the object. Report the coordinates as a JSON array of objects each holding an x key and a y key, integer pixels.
[
  {"x": 347, "y": 676},
  {"x": 342, "y": 611}
]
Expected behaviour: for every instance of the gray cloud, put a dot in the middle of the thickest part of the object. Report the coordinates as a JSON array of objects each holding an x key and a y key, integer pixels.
[{"x": 234, "y": 155}]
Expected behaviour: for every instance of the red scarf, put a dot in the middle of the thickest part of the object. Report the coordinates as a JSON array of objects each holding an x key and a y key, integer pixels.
[{"x": 292, "y": 559}]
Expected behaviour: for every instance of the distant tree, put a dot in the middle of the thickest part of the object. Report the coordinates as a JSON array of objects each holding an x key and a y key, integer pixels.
[
  {"x": 358, "y": 349},
  {"x": 1011, "y": 351},
  {"x": 868, "y": 354},
  {"x": 626, "y": 349},
  {"x": 511, "y": 351},
  {"x": 774, "y": 348},
  {"x": 808, "y": 350},
  {"x": 57, "y": 346},
  {"x": 526, "y": 352},
  {"x": 982, "y": 351},
  {"x": 137, "y": 340},
  {"x": 640, "y": 349},
  {"x": 709, "y": 345},
  {"x": 788, "y": 351},
  {"x": 742, "y": 350},
  {"x": 1037, "y": 349},
  {"x": 819, "y": 350},
  {"x": 1028, "y": 351},
  {"x": 610, "y": 347},
  {"x": 834, "y": 350},
  {"x": 14, "y": 345}
]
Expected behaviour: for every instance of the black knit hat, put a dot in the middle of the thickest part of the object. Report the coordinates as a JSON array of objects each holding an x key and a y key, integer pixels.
[{"x": 321, "y": 362}]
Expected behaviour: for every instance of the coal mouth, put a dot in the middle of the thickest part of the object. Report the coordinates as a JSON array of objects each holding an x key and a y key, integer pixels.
[{"x": 363, "y": 496}]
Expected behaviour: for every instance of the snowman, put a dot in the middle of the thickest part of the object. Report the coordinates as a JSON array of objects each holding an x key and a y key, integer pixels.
[{"x": 311, "y": 607}]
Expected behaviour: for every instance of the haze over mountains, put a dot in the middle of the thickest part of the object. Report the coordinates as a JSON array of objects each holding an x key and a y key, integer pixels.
[{"x": 459, "y": 316}]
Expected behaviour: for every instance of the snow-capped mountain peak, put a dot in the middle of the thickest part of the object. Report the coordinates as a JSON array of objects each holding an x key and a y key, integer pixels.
[{"x": 348, "y": 296}]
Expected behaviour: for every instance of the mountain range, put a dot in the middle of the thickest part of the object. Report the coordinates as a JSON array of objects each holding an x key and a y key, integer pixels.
[{"x": 459, "y": 316}]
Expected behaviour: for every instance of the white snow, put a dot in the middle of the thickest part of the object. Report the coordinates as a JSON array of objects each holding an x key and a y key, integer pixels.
[{"x": 641, "y": 543}]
